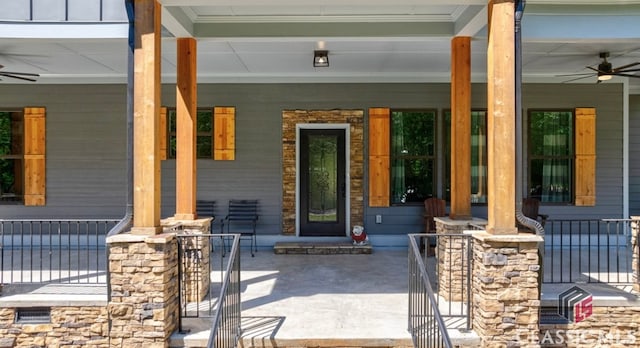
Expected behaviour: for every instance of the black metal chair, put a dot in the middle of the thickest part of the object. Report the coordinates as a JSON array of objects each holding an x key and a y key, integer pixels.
[
  {"x": 242, "y": 218},
  {"x": 205, "y": 208}
]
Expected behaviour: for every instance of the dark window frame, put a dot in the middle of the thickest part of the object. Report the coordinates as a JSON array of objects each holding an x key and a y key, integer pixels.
[
  {"x": 433, "y": 157},
  {"x": 446, "y": 153},
  {"x": 172, "y": 133},
  {"x": 13, "y": 193},
  {"x": 571, "y": 156}
]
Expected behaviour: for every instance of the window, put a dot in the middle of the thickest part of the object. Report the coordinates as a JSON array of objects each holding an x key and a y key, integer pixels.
[
  {"x": 11, "y": 154},
  {"x": 551, "y": 155},
  {"x": 204, "y": 136},
  {"x": 412, "y": 155},
  {"x": 22, "y": 156},
  {"x": 478, "y": 156}
]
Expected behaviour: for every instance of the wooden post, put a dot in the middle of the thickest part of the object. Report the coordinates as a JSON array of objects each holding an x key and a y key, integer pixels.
[
  {"x": 186, "y": 110},
  {"x": 460, "y": 128},
  {"x": 146, "y": 113},
  {"x": 501, "y": 118}
]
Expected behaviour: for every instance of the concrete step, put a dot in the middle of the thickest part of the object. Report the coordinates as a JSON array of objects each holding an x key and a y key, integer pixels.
[
  {"x": 321, "y": 248},
  {"x": 253, "y": 337}
]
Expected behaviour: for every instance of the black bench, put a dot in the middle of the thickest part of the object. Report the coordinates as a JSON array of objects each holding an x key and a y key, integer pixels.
[{"x": 242, "y": 218}]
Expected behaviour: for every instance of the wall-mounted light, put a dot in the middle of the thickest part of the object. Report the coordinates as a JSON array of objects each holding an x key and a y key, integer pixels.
[{"x": 320, "y": 58}]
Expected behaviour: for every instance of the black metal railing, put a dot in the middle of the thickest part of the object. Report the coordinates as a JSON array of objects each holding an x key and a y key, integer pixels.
[
  {"x": 426, "y": 324},
  {"x": 449, "y": 265},
  {"x": 588, "y": 251},
  {"x": 226, "y": 328},
  {"x": 53, "y": 251},
  {"x": 97, "y": 10}
]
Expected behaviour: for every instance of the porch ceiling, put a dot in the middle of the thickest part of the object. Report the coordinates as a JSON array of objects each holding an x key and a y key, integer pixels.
[{"x": 368, "y": 41}]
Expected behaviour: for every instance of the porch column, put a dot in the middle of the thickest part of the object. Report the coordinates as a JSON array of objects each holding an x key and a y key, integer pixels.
[
  {"x": 501, "y": 118},
  {"x": 146, "y": 119},
  {"x": 635, "y": 249},
  {"x": 186, "y": 110},
  {"x": 460, "y": 128}
]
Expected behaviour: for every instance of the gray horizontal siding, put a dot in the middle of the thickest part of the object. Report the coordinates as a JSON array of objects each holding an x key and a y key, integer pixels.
[{"x": 86, "y": 144}]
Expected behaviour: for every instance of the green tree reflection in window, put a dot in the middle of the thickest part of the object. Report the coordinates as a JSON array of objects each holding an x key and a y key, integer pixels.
[
  {"x": 204, "y": 136},
  {"x": 412, "y": 155},
  {"x": 551, "y": 156}
]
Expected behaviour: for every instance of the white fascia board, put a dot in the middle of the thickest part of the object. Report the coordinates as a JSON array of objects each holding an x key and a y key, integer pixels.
[{"x": 65, "y": 30}]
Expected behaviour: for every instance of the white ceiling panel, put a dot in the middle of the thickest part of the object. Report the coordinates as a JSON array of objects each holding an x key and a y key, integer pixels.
[{"x": 363, "y": 54}]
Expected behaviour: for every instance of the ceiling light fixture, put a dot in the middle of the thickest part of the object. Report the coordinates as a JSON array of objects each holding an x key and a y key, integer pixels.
[
  {"x": 604, "y": 77},
  {"x": 320, "y": 58},
  {"x": 604, "y": 69}
]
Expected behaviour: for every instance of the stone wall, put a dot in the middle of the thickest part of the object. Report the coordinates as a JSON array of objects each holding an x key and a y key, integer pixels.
[
  {"x": 83, "y": 326},
  {"x": 290, "y": 118},
  {"x": 194, "y": 250},
  {"x": 615, "y": 326},
  {"x": 452, "y": 253},
  {"x": 506, "y": 294},
  {"x": 144, "y": 289}
]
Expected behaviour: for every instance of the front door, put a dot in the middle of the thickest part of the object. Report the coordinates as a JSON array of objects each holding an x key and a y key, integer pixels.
[{"x": 322, "y": 182}]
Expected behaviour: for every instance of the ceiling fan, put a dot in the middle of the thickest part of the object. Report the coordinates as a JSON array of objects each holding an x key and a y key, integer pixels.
[
  {"x": 18, "y": 75},
  {"x": 605, "y": 70}
]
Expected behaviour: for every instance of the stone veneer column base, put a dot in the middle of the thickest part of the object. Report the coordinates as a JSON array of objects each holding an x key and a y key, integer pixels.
[
  {"x": 453, "y": 257},
  {"x": 195, "y": 251},
  {"x": 144, "y": 289},
  {"x": 506, "y": 289}
]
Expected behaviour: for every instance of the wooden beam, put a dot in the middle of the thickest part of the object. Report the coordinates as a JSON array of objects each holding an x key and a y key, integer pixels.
[
  {"x": 186, "y": 130},
  {"x": 146, "y": 119},
  {"x": 501, "y": 118},
  {"x": 460, "y": 128}
]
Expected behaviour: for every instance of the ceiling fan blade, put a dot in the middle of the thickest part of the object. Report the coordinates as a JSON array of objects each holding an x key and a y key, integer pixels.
[
  {"x": 626, "y": 75},
  {"x": 579, "y": 78},
  {"x": 627, "y": 70},
  {"x": 578, "y": 74},
  {"x": 19, "y": 73},
  {"x": 625, "y": 66},
  {"x": 16, "y": 77}
]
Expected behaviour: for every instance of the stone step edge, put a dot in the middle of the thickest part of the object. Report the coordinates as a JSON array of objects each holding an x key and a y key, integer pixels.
[{"x": 321, "y": 248}]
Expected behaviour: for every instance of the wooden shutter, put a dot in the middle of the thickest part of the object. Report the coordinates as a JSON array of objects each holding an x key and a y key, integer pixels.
[
  {"x": 379, "y": 137},
  {"x": 34, "y": 156},
  {"x": 585, "y": 149},
  {"x": 224, "y": 129},
  {"x": 164, "y": 133}
]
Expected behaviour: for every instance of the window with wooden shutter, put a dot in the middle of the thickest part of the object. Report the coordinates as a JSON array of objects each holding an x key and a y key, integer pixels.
[
  {"x": 34, "y": 156},
  {"x": 225, "y": 133},
  {"x": 379, "y": 124},
  {"x": 585, "y": 152}
]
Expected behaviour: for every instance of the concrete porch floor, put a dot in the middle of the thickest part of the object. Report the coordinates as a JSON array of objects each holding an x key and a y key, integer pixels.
[{"x": 319, "y": 300}]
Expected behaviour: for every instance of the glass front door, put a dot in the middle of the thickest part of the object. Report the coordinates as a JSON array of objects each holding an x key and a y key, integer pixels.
[{"x": 322, "y": 182}]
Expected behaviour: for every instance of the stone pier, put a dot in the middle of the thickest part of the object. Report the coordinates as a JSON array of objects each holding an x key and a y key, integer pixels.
[
  {"x": 453, "y": 257},
  {"x": 144, "y": 289},
  {"x": 194, "y": 250},
  {"x": 506, "y": 291}
]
